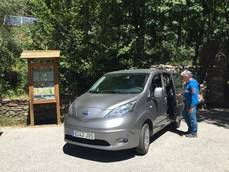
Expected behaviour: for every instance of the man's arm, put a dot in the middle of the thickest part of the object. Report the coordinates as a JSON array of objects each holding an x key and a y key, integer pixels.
[{"x": 194, "y": 97}]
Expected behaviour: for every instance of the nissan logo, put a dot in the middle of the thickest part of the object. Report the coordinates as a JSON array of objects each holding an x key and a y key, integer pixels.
[{"x": 86, "y": 113}]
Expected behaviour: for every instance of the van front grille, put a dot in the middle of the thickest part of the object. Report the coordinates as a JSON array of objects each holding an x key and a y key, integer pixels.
[{"x": 87, "y": 141}]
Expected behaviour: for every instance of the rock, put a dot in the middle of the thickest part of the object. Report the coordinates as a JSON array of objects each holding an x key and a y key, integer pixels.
[
  {"x": 12, "y": 104},
  {"x": 10, "y": 113},
  {"x": 26, "y": 107},
  {"x": 5, "y": 101}
]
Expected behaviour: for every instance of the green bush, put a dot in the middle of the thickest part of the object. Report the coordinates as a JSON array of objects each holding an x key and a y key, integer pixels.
[{"x": 10, "y": 121}]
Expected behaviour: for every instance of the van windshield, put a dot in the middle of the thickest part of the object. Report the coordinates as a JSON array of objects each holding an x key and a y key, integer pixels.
[{"x": 125, "y": 83}]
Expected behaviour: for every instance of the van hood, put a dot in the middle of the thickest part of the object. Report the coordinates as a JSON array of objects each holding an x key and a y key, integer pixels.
[
  {"x": 90, "y": 106},
  {"x": 102, "y": 101}
]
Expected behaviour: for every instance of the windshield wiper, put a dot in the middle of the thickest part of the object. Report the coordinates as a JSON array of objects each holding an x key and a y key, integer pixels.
[
  {"x": 92, "y": 91},
  {"x": 110, "y": 91}
]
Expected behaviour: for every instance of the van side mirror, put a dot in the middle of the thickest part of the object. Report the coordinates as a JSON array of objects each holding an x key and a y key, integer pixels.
[{"x": 158, "y": 92}]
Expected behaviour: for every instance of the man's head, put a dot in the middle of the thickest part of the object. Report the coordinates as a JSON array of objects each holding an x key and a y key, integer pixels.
[{"x": 186, "y": 75}]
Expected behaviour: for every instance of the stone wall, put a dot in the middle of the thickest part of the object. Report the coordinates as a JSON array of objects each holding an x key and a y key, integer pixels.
[
  {"x": 216, "y": 88},
  {"x": 214, "y": 62},
  {"x": 16, "y": 110},
  {"x": 179, "y": 68}
]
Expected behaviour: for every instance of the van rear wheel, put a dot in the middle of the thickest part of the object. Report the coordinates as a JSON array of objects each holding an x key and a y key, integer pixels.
[{"x": 144, "y": 140}]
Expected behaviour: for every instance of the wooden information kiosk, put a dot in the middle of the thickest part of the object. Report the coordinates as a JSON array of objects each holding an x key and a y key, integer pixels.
[{"x": 43, "y": 79}]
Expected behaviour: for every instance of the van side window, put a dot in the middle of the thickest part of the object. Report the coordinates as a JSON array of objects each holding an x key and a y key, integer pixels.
[
  {"x": 177, "y": 81},
  {"x": 170, "y": 93},
  {"x": 168, "y": 83},
  {"x": 156, "y": 82}
]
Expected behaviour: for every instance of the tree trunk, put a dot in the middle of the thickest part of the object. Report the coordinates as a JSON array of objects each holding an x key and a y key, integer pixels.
[{"x": 139, "y": 24}]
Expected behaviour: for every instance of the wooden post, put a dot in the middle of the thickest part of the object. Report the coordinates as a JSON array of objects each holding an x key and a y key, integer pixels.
[
  {"x": 57, "y": 91},
  {"x": 31, "y": 109}
]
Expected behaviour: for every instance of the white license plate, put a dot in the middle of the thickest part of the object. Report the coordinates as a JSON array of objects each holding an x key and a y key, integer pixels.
[{"x": 84, "y": 135}]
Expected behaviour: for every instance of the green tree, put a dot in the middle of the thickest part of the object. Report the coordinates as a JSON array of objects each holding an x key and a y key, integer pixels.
[
  {"x": 97, "y": 36},
  {"x": 10, "y": 47}
]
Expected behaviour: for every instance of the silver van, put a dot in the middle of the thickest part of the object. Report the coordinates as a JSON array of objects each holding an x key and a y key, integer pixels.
[{"x": 123, "y": 109}]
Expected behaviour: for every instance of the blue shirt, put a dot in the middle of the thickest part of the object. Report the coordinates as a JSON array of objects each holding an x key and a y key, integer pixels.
[{"x": 191, "y": 93}]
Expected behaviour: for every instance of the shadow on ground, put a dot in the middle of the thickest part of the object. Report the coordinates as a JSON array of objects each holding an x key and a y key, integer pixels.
[
  {"x": 219, "y": 117},
  {"x": 96, "y": 154},
  {"x": 102, "y": 155}
]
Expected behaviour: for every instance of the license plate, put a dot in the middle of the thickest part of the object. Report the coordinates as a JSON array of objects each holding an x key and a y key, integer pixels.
[{"x": 84, "y": 135}]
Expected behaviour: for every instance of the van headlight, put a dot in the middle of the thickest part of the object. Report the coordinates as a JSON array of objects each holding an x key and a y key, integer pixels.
[
  {"x": 70, "y": 110},
  {"x": 121, "y": 110}
]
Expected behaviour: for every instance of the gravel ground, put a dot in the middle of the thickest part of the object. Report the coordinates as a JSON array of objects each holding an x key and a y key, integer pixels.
[{"x": 43, "y": 149}]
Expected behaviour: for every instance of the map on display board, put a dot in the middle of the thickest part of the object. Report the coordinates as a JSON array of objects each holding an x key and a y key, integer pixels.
[{"x": 43, "y": 79}]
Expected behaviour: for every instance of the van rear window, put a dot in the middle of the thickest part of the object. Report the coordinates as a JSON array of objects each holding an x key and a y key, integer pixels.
[{"x": 177, "y": 80}]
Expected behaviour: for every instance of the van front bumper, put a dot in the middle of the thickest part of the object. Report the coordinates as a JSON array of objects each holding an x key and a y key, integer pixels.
[{"x": 118, "y": 139}]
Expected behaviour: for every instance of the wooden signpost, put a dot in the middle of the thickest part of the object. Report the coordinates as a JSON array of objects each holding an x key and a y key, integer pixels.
[{"x": 43, "y": 79}]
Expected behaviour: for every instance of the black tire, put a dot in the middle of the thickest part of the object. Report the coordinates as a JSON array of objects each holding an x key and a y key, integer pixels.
[{"x": 144, "y": 140}]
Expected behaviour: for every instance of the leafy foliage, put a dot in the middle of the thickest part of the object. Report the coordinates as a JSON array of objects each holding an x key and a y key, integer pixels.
[
  {"x": 97, "y": 36},
  {"x": 12, "y": 77}
]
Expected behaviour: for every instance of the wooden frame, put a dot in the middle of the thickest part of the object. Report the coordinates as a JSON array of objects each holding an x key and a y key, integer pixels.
[{"x": 51, "y": 60}]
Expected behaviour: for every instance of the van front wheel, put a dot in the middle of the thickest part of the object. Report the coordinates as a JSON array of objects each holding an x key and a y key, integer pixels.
[{"x": 144, "y": 140}]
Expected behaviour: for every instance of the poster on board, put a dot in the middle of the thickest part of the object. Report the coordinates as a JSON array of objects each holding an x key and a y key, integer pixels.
[{"x": 43, "y": 79}]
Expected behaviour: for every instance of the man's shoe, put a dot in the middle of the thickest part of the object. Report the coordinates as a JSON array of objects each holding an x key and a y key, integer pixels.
[
  {"x": 187, "y": 132},
  {"x": 191, "y": 135}
]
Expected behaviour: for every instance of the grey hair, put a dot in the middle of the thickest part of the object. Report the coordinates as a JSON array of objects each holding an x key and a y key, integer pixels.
[{"x": 186, "y": 73}]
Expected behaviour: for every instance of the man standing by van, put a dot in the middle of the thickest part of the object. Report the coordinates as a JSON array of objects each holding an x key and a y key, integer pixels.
[{"x": 191, "y": 92}]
